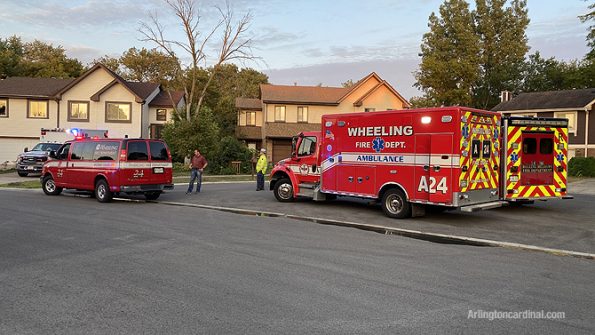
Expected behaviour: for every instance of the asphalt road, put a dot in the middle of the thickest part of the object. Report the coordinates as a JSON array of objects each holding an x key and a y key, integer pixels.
[
  {"x": 69, "y": 265},
  {"x": 559, "y": 224}
]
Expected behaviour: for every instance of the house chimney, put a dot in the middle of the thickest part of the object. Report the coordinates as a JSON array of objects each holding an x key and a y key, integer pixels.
[{"x": 505, "y": 96}]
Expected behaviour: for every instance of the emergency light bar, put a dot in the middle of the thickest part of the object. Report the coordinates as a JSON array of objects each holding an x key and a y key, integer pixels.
[{"x": 524, "y": 122}]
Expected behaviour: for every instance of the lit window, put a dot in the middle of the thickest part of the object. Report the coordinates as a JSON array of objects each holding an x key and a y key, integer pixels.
[
  {"x": 118, "y": 112},
  {"x": 78, "y": 111},
  {"x": 161, "y": 115},
  {"x": 302, "y": 114},
  {"x": 571, "y": 116},
  {"x": 251, "y": 118},
  {"x": 38, "y": 109},
  {"x": 3, "y": 107},
  {"x": 280, "y": 113}
]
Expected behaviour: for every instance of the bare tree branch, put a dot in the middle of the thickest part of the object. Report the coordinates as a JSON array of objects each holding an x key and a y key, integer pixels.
[{"x": 232, "y": 45}]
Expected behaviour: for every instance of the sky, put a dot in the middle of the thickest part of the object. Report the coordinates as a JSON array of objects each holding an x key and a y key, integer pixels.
[{"x": 307, "y": 42}]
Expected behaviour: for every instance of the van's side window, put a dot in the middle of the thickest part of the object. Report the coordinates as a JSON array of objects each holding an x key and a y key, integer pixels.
[
  {"x": 137, "y": 151},
  {"x": 158, "y": 151},
  {"x": 63, "y": 151},
  {"x": 106, "y": 151},
  {"x": 82, "y": 151}
]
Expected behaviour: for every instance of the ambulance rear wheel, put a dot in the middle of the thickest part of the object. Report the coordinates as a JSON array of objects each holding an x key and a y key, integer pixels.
[
  {"x": 49, "y": 186},
  {"x": 283, "y": 190},
  {"x": 395, "y": 204},
  {"x": 102, "y": 191}
]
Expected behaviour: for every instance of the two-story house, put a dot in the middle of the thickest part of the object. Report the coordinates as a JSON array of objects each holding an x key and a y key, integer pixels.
[
  {"x": 99, "y": 99},
  {"x": 284, "y": 111},
  {"x": 574, "y": 105}
]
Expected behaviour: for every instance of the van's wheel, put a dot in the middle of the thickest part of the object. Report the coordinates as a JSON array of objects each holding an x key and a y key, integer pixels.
[
  {"x": 22, "y": 174},
  {"x": 152, "y": 195},
  {"x": 283, "y": 190},
  {"x": 49, "y": 186},
  {"x": 102, "y": 191},
  {"x": 395, "y": 204}
]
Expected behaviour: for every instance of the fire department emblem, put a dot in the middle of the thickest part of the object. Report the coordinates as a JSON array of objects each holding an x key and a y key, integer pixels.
[
  {"x": 378, "y": 144},
  {"x": 304, "y": 169},
  {"x": 60, "y": 173}
]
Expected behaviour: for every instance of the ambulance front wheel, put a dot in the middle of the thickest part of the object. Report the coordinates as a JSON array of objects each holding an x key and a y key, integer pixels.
[
  {"x": 284, "y": 190},
  {"x": 395, "y": 204}
]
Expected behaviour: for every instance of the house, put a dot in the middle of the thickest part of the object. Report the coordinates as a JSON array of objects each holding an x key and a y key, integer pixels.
[
  {"x": 284, "y": 111},
  {"x": 98, "y": 99},
  {"x": 574, "y": 105}
]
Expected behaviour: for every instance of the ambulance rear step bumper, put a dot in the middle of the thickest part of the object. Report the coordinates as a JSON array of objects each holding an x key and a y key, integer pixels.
[{"x": 484, "y": 206}]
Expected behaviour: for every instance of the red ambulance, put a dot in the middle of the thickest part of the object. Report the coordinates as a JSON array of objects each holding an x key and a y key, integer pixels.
[{"x": 406, "y": 159}]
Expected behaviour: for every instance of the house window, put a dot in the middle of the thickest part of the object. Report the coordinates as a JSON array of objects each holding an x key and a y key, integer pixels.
[
  {"x": 251, "y": 118},
  {"x": 78, "y": 111},
  {"x": 3, "y": 107},
  {"x": 369, "y": 109},
  {"x": 571, "y": 116},
  {"x": 161, "y": 115},
  {"x": 525, "y": 115},
  {"x": 118, "y": 112},
  {"x": 302, "y": 114},
  {"x": 38, "y": 109},
  {"x": 279, "y": 113}
]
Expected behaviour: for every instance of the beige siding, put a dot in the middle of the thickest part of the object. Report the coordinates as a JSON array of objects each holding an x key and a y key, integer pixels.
[
  {"x": 83, "y": 91},
  {"x": 18, "y": 125}
]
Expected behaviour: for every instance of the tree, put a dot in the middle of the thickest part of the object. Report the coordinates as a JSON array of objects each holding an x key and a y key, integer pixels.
[
  {"x": 148, "y": 65},
  {"x": 503, "y": 46},
  {"x": 11, "y": 55},
  {"x": 36, "y": 59},
  {"x": 41, "y": 59},
  {"x": 348, "y": 83},
  {"x": 449, "y": 66},
  {"x": 591, "y": 35},
  {"x": 233, "y": 45}
]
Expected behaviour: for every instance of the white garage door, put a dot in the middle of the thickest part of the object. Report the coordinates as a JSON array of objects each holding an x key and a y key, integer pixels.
[{"x": 11, "y": 147}]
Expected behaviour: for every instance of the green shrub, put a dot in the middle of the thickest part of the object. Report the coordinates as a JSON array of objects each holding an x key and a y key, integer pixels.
[{"x": 581, "y": 167}]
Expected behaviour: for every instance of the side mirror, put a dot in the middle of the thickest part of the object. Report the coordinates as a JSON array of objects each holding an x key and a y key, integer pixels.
[
  {"x": 26, "y": 149},
  {"x": 53, "y": 154}
]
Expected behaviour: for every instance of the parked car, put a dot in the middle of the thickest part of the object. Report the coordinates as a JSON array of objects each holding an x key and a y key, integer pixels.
[
  {"x": 109, "y": 167},
  {"x": 31, "y": 161}
]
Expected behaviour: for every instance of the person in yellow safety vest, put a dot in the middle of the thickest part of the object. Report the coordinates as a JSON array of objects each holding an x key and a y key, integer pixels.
[{"x": 261, "y": 169}]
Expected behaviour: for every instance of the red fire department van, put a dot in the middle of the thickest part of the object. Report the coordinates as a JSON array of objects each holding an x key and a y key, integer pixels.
[
  {"x": 406, "y": 159},
  {"x": 534, "y": 159},
  {"x": 109, "y": 167}
]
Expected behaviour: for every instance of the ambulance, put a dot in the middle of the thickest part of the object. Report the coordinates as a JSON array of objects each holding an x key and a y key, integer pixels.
[
  {"x": 407, "y": 160},
  {"x": 535, "y": 159}
]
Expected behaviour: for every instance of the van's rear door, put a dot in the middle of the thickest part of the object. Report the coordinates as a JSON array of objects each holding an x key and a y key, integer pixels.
[
  {"x": 136, "y": 170},
  {"x": 161, "y": 166}
]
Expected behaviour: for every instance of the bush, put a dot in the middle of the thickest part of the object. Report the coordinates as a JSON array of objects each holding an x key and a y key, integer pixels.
[{"x": 582, "y": 167}]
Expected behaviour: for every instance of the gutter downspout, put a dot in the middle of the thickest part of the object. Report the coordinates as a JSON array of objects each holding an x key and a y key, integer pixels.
[{"x": 586, "y": 132}]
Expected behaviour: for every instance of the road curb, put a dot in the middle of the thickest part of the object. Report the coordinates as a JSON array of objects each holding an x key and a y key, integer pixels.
[{"x": 417, "y": 234}]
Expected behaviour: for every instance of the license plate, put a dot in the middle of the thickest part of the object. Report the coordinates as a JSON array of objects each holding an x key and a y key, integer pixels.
[
  {"x": 158, "y": 170},
  {"x": 30, "y": 167}
]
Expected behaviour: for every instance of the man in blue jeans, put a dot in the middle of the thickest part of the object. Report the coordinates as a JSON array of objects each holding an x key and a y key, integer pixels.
[{"x": 198, "y": 163}]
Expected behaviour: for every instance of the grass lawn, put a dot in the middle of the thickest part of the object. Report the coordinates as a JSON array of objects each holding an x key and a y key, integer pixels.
[{"x": 23, "y": 184}]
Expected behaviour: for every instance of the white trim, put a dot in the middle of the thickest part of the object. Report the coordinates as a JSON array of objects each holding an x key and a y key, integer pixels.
[{"x": 541, "y": 110}]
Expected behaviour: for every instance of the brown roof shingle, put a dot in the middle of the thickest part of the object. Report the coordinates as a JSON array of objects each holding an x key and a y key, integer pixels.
[
  {"x": 143, "y": 90},
  {"x": 572, "y": 99},
  {"x": 302, "y": 94},
  {"x": 32, "y": 87},
  {"x": 162, "y": 99},
  {"x": 248, "y": 103}
]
